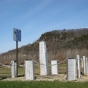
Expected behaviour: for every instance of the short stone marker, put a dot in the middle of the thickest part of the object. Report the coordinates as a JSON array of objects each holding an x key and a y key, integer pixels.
[
  {"x": 54, "y": 67},
  {"x": 13, "y": 69},
  {"x": 29, "y": 70},
  {"x": 71, "y": 69}
]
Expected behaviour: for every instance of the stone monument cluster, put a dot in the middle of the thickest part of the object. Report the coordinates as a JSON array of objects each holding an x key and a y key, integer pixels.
[{"x": 75, "y": 67}]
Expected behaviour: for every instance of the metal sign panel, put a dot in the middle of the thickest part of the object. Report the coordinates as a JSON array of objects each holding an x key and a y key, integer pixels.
[{"x": 16, "y": 34}]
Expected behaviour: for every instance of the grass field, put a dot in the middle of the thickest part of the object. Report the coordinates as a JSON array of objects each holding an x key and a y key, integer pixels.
[
  {"x": 42, "y": 84},
  {"x": 6, "y": 72}
]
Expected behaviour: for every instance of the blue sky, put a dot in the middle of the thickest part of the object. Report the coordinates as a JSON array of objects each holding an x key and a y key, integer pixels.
[{"x": 34, "y": 17}]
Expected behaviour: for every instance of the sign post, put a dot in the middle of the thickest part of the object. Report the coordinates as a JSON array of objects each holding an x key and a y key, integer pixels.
[
  {"x": 17, "y": 55},
  {"x": 17, "y": 37}
]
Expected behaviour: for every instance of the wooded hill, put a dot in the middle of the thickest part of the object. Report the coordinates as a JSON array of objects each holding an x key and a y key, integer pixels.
[{"x": 60, "y": 45}]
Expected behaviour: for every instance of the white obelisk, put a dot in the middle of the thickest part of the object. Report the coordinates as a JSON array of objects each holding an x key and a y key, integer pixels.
[{"x": 43, "y": 58}]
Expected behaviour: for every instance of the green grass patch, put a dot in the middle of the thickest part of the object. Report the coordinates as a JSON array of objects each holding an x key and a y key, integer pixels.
[
  {"x": 62, "y": 65},
  {"x": 6, "y": 72},
  {"x": 42, "y": 84}
]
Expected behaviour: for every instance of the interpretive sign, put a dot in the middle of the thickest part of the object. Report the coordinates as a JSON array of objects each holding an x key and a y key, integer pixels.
[{"x": 16, "y": 34}]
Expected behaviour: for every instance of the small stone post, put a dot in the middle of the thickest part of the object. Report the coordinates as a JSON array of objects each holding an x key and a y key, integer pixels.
[
  {"x": 13, "y": 69},
  {"x": 54, "y": 67}
]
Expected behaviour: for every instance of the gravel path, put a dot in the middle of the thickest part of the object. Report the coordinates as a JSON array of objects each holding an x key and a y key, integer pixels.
[{"x": 59, "y": 77}]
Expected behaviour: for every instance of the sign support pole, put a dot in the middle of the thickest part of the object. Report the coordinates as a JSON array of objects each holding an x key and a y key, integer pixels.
[
  {"x": 17, "y": 56},
  {"x": 16, "y": 37}
]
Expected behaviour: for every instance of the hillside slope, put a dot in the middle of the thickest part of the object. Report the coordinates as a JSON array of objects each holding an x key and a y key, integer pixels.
[{"x": 60, "y": 44}]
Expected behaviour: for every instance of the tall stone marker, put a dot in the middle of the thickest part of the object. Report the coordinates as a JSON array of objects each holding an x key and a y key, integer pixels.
[
  {"x": 71, "y": 69},
  {"x": 84, "y": 65},
  {"x": 54, "y": 67},
  {"x": 13, "y": 68},
  {"x": 78, "y": 66},
  {"x": 43, "y": 58},
  {"x": 29, "y": 70},
  {"x": 87, "y": 66}
]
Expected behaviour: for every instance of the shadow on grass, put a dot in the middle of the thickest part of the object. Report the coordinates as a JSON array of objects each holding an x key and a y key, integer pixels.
[
  {"x": 21, "y": 75},
  {"x": 1, "y": 78}
]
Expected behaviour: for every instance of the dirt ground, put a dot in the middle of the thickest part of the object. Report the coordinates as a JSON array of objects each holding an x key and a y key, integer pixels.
[{"x": 59, "y": 77}]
